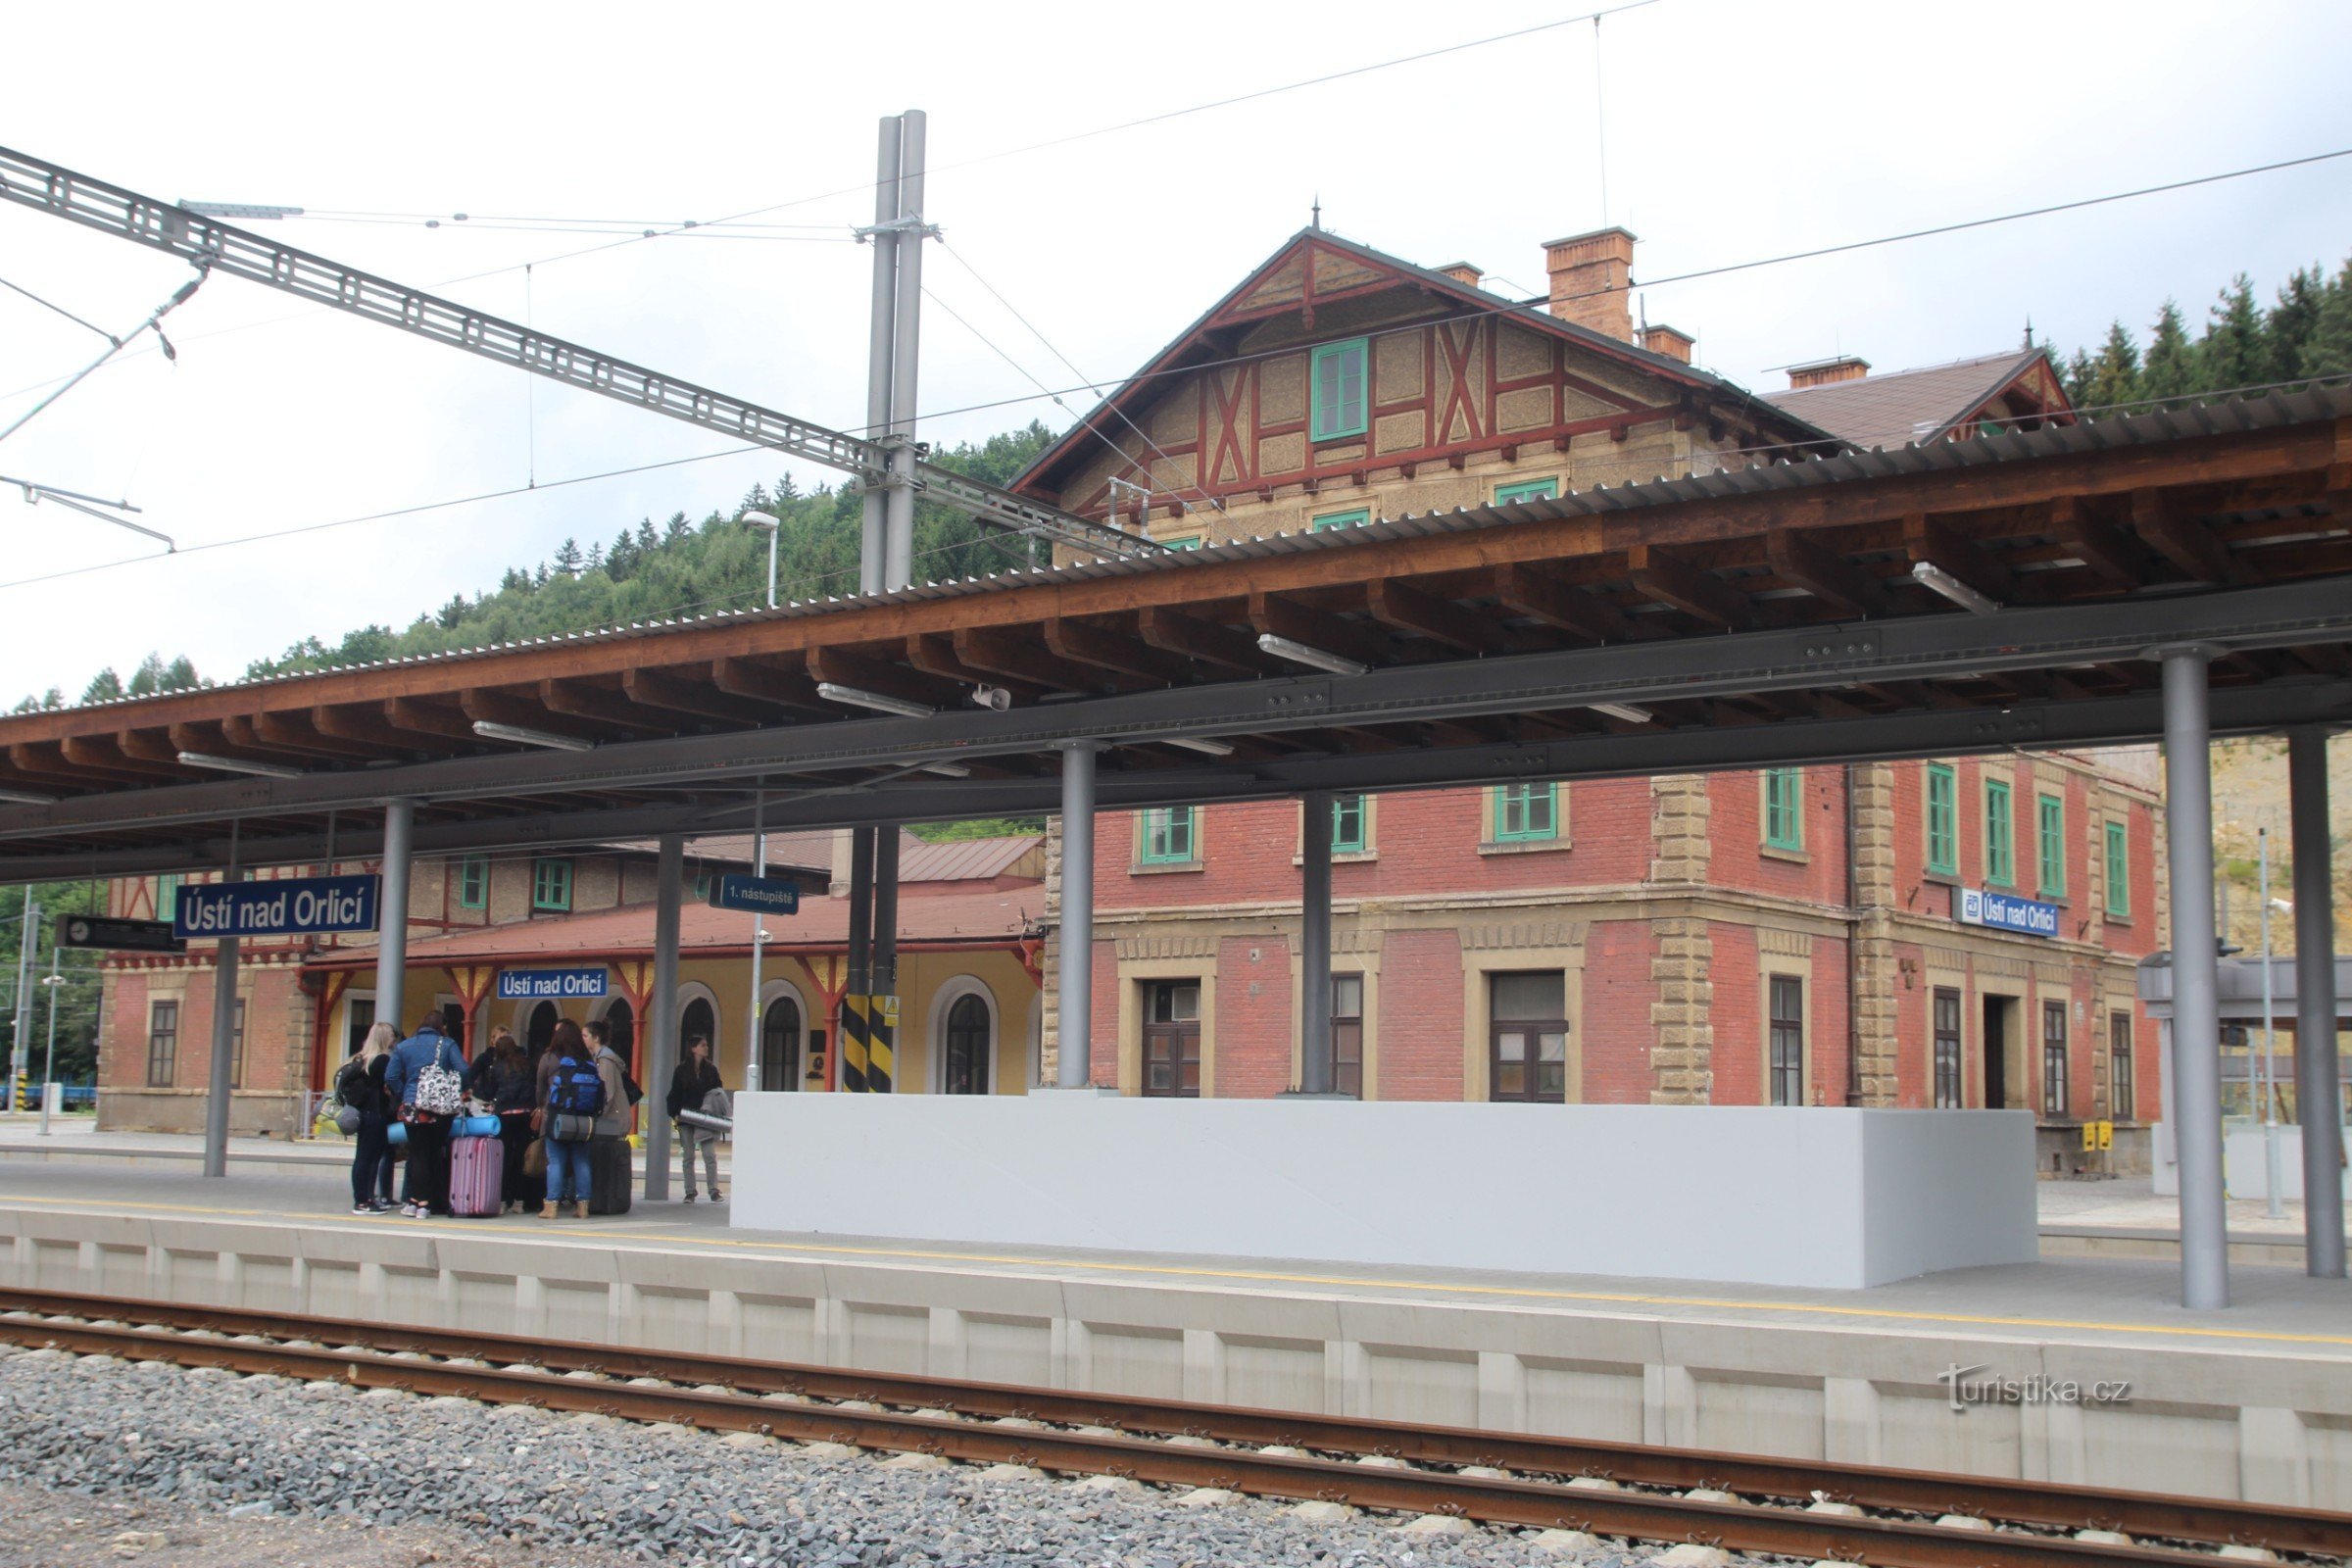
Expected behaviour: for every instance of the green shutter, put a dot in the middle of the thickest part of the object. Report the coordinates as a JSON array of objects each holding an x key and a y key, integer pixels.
[
  {"x": 1784, "y": 808},
  {"x": 2050, "y": 843},
  {"x": 474, "y": 882},
  {"x": 551, "y": 885},
  {"x": 1524, "y": 812},
  {"x": 1526, "y": 490},
  {"x": 1943, "y": 819},
  {"x": 2119, "y": 872},
  {"x": 2000, "y": 834},
  {"x": 1355, "y": 518},
  {"x": 1341, "y": 399},
  {"x": 1168, "y": 834}
]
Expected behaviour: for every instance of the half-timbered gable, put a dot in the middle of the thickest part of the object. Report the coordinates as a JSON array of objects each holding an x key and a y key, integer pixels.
[{"x": 1335, "y": 384}]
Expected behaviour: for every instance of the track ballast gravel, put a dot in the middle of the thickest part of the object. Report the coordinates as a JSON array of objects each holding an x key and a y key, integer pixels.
[{"x": 214, "y": 1444}]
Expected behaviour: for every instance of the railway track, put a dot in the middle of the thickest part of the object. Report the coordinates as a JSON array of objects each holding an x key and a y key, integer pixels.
[{"x": 1743, "y": 1503}]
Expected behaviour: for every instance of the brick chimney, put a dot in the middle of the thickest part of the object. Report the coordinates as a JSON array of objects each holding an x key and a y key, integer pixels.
[
  {"x": 1462, "y": 272},
  {"x": 1672, "y": 342},
  {"x": 1845, "y": 367},
  {"x": 1590, "y": 277}
]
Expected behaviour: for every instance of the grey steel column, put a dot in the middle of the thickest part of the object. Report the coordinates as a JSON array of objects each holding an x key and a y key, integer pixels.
[
  {"x": 2196, "y": 1015},
  {"x": 1314, "y": 944},
  {"x": 661, "y": 1029},
  {"x": 2319, "y": 1095},
  {"x": 872, "y": 547},
  {"x": 852, "y": 1076},
  {"x": 224, "y": 1047},
  {"x": 905, "y": 348},
  {"x": 1074, "y": 940},
  {"x": 392, "y": 917},
  {"x": 882, "y": 1066}
]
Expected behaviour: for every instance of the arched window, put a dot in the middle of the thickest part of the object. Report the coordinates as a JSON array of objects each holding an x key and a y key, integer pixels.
[
  {"x": 698, "y": 1020},
  {"x": 965, "y": 1064},
  {"x": 622, "y": 1021},
  {"x": 541, "y": 1029},
  {"x": 780, "y": 1045}
]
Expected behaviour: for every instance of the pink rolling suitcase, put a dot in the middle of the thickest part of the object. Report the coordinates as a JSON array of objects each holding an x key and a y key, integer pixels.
[{"x": 476, "y": 1168}]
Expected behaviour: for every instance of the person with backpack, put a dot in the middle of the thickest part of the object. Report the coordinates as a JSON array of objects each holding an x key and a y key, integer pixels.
[
  {"x": 609, "y": 1153},
  {"x": 360, "y": 1086},
  {"x": 575, "y": 1097},
  {"x": 690, "y": 1088},
  {"x": 426, "y": 1080}
]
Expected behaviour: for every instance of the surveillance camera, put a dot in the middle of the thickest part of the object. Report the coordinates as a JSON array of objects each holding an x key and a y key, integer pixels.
[{"x": 996, "y": 698}]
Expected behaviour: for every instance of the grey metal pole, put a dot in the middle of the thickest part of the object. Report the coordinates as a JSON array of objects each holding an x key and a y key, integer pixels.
[
  {"x": 756, "y": 1037},
  {"x": 905, "y": 350},
  {"x": 860, "y": 962},
  {"x": 2196, "y": 1016},
  {"x": 392, "y": 939},
  {"x": 872, "y": 546},
  {"x": 662, "y": 1031},
  {"x": 2273, "y": 1176},
  {"x": 224, "y": 1044},
  {"x": 49, "y": 1051},
  {"x": 20, "y": 1016},
  {"x": 882, "y": 1042},
  {"x": 2319, "y": 1092},
  {"x": 1074, "y": 941},
  {"x": 1314, "y": 944}
]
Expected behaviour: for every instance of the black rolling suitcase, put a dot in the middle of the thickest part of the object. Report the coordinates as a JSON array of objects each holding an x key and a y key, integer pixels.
[{"x": 610, "y": 1176}]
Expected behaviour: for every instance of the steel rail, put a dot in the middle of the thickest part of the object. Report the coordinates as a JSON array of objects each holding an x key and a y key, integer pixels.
[
  {"x": 210, "y": 245},
  {"x": 2044, "y": 1505}
]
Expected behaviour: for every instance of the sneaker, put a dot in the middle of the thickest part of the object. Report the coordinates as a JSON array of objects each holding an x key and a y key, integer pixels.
[
  {"x": 717, "y": 1196},
  {"x": 689, "y": 1197},
  {"x": 363, "y": 1208},
  {"x": 411, "y": 1210}
]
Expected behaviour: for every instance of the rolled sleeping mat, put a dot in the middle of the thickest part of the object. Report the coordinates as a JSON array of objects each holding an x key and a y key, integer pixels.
[
  {"x": 716, "y": 1124},
  {"x": 474, "y": 1127},
  {"x": 397, "y": 1133}
]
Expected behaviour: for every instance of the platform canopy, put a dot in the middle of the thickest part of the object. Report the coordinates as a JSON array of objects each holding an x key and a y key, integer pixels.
[{"x": 1748, "y": 617}]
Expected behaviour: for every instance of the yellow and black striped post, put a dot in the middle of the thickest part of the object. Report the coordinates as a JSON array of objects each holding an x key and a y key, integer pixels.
[
  {"x": 881, "y": 1042},
  {"x": 854, "y": 1036}
]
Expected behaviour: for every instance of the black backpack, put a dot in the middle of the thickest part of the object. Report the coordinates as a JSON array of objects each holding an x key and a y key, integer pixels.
[{"x": 354, "y": 1087}]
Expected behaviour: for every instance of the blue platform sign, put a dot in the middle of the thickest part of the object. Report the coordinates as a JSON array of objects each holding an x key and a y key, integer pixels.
[
  {"x": 760, "y": 895},
  {"x": 2005, "y": 912},
  {"x": 552, "y": 985},
  {"x": 295, "y": 906}
]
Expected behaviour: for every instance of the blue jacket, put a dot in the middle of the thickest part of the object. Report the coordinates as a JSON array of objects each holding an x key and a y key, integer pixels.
[{"x": 411, "y": 1057}]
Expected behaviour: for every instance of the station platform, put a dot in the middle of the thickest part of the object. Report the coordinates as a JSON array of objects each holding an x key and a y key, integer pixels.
[{"x": 2253, "y": 1403}]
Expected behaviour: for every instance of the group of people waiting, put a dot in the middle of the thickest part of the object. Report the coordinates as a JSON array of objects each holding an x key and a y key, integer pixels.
[{"x": 573, "y": 1104}]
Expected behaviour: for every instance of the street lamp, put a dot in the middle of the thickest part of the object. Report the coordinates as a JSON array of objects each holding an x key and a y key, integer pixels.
[{"x": 771, "y": 525}]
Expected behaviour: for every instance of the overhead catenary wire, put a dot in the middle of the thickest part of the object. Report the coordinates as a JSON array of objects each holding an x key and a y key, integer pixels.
[{"x": 52, "y": 305}]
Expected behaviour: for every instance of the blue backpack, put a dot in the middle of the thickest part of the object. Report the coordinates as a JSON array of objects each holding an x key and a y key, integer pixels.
[{"x": 576, "y": 1090}]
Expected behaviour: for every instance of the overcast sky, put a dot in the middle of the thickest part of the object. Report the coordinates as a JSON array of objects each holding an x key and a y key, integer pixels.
[{"x": 1733, "y": 131}]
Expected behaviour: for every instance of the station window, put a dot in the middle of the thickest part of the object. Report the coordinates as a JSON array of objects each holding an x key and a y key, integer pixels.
[
  {"x": 1348, "y": 824},
  {"x": 1943, "y": 819},
  {"x": 1526, "y": 490},
  {"x": 1784, "y": 808},
  {"x": 166, "y": 896},
  {"x": 1171, "y": 835},
  {"x": 2000, "y": 834},
  {"x": 1787, "y": 1039},
  {"x": 1950, "y": 1092},
  {"x": 1355, "y": 517},
  {"x": 163, "y": 1044},
  {"x": 1348, "y": 1034},
  {"x": 474, "y": 882},
  {"x": 358, "y": 1017},
  {"x": 2118, "y": 1066},
  {"x": 237, "y": 1048},
  {"x": 1341, "y": 401},
  {"x": 1526, "y": 812},
  {"x": 551, "y": 885},
  {"x": 1527, "y": 1042},
  {"x": 1189, "y": 540},
  {"x": 2054, "y": 1058},
  {"x": 2050, "y": 844},
  {"x": 2119, "y": 872},
  {"x": 1172, "y": 1039}
]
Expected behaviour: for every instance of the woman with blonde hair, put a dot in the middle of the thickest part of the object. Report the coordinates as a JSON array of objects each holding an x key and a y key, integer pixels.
[{"x": 360, "y": 1087}]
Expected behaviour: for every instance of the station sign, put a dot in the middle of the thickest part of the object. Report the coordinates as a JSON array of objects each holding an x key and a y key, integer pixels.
[
  {"x": 760, "y": 895},
  {"x": 119, "y": 936},
  {"x": 296, "y": 907},
  {"x": 2004, "y": 912},
  {"x": 552, "y": 985}
]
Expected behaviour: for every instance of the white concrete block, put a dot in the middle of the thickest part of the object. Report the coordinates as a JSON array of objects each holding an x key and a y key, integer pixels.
[
  {"x": 1317, "y": 1511},
  {"x": 1206, "y": 1497},
  {"x": 1690, "y": 1554},
  {"x": 1446, "y": 1524},
  {"x": 1566, "y": 1543}
]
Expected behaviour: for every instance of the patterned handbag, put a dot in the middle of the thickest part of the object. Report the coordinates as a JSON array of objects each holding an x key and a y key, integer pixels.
[{"x": 440, "y": 1091}]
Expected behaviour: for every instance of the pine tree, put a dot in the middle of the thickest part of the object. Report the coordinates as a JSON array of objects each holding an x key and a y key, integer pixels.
[
  {"x": 2329, "y": 352},
  {"x": 2233, "y": 348},
  {"x": 104, "y": 686},
  {"x": 568, "y": 558},
  {"x": 2170, "y": 367},
  {"x": 148, "y": 678},
  {"x": 2077, "y": 373},
  {"x": 180, "y": 676},
  {"x": 2114, "y": 375},
  {"x": 448, "y": 614},
  {"x": 516, "y": 581},
  {"x": 2293, "y": 320}
]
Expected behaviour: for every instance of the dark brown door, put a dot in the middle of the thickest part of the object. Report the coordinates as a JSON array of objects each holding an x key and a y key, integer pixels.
[
  {"x": 1172, "y": 1039},
  {"x": 965, "y": 1071},
  {"x": 1527, "y": 1044}
]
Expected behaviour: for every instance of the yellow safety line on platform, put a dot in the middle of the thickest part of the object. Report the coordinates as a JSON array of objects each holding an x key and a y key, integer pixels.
[{"x": 1271, "y": 1277}]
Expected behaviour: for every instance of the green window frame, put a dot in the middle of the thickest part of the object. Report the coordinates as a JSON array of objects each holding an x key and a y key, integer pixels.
[
  {"x": 1943, "y": 819},
  {"x": 166, "y": 896},
  {"x": 474, "y": 882},
  {"x": 2050, "y": 843},
  {"x": 551, "y": 885},
  {"x": 2119, "y": 872},
  {"x": 1340, "y": 378},
  {"x": 1189, "y": 540},
  {"x": 1354, "y": 519},
  {"x": 1171, "y": 835},
  {"x": 1784, "y": 808},
  {"x": 1348, "y": 824},
  {"x": 1525, "y": 813},
  {"x": 2000, "y": 834},
  {"x": 1527, "y": 490}
]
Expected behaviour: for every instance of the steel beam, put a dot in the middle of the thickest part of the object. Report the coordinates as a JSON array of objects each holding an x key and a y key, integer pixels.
[
  {"x": 392, "y": 918},
  {"x": 2197, "y": 1065},
  {"x": 2319, "y": 1091},
  {"x": 1074, "y": 937},
  {"x": 662, "y": 1028},
  {"x": 1925, "y": 732}
]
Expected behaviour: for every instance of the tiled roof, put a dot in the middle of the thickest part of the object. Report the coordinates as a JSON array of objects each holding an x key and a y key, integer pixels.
[{"x": 1904, "y": 406}]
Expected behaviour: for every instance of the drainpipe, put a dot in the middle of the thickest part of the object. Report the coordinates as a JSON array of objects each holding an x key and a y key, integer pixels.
[{"x": 1853, "y": 936}]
